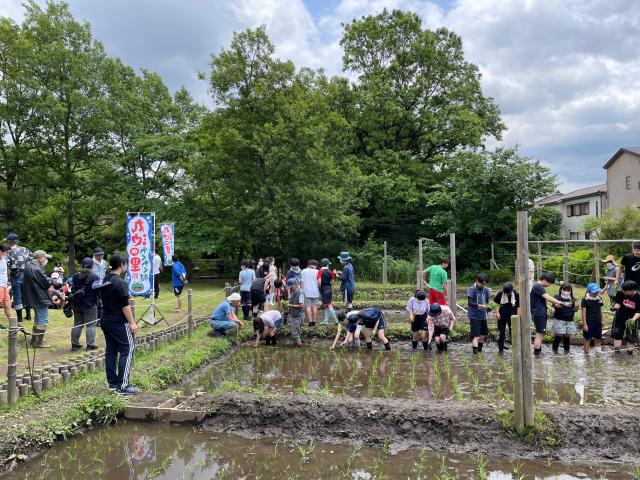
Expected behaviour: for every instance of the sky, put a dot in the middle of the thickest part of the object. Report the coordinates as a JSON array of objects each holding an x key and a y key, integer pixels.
[{"x": 565, "y": 73}]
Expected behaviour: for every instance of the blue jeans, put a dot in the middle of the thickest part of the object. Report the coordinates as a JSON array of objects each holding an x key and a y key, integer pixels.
[
  {"x": 42, "y": 316},
  {"x": 16, "y": 290},
  {"x": 223, "y": 324}
]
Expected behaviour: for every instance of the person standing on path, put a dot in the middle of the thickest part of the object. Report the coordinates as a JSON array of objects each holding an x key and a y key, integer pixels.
[
  {"x": 245, "y": 279},
  {"x": 311, "y": 291},
  {"x": 347, "y": 279},
  {"x": 19, "y": 257},
  {"x": 84, "y": 300},
  {"x": 437, "y": 279},
  {"x": 99, "y": 267},
  {"x": 37, "y": 291},
  {"x": 5, "y": 300},
  {"x": 178, "y": 280},
  {"x": 118, "y": 326},
  {"x": 157, "y": 268},
  {"x": 630, "y": 265}
]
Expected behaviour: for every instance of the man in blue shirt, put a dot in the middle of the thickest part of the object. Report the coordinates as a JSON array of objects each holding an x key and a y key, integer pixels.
[
  {"x": 223, "y": 318},
  {"x": 245, "y": 279},
  {"x": 478, "y": 300},
  {"x": 178, "y": 280},
  {"x": 347, "y": 279}
]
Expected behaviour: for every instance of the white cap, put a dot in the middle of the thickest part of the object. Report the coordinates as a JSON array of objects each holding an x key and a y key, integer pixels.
[{"x": 234, "y": 297}]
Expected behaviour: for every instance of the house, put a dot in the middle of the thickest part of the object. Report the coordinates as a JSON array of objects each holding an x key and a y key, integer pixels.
[
  {"x": 577, "y": 206},
  {"x": 623, "y": 178}
]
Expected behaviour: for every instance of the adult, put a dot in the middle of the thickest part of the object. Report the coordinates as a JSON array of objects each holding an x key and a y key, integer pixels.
[
  {"x": 630, "y": 265},
  {"x": 119, "y": 327},
  {"x": 245, "y": 278},
  {"x": 347, "y": 279},
  {"x": 258, "y": 291},
  {"x": 266, "y": 325},
  {"x": 157, "y": 268},
  {"x": 5, "y": 300},
  {"x": 223, "y": 317},
  {"x": 19, "y": 257},
  {"x": 99, "y": 266},
  {"x": 84, "y": 300},
  {"x": 272, "y": 276},
  {"x": 178, "y": 280},
  {"x": 311, "y": 291},
  {"x": 478, "y": 306},
  {"x": 37, "y": 291},
  {"x": 437, "y": 278}
]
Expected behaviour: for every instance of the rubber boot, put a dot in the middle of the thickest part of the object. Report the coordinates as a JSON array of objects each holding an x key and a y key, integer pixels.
[
  {"x": 34, "y": 336},
  {"x": 440, "y": 346},
  {"x": 480, "y": 345},
  {"x": 273, "y": 340},
  {"x": 475, "y": 350},
  {"x": 566, "y": 343},
  {"x": 556, "y": 343},
  {"x": 537, "y": 351},
  {"x": 414, "y": 344},
  {"x": 425, "y": 345},
  {"x": 369, "y": 345},
  {"x": 40, "y": 340},
  {"x": 387, "y": 346},
  {"x": 445, "y": 346},
  {"x": 28, "y": 315},
  {"x": 19, "y": 315}
]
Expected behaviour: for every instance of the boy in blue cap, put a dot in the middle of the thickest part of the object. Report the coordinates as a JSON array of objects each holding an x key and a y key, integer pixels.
[{"x": 592, "y": 319}]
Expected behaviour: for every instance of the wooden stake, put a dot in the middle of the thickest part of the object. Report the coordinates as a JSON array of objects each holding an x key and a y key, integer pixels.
[
  {"x": 516, "y": 355},
  {"x": 454, "y": 273},
  {"x": 12, "y": 387},
  {"x": 384, "y": 265},
  {"x": 539, "y": 259},
  {"x": 420, "y": 265},
  {"x": 596, "y": 261},
  {"x": 565, "y": 267},
  {"x": 190, "y": 312},
  {"x": 492, "y": 263}
]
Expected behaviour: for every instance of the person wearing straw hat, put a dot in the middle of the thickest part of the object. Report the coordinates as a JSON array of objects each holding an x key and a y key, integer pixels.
[
  {"x": 36, "y": 293},
  {"x": 610, "y": 278},
  {"x": 347, "y": 280},
  {"x": 223, "y": 317}
]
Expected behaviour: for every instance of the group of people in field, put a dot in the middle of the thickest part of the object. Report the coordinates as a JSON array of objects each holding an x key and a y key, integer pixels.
[{"x": 263, "y": 290}]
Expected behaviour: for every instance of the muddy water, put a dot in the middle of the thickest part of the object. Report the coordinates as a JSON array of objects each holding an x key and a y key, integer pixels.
[
  {"x": 575, "y": 379},
  {"x": 160, "y": 451}
]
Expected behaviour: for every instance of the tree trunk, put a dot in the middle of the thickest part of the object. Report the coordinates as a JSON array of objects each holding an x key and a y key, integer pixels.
[{"x": 71, "y": 239}]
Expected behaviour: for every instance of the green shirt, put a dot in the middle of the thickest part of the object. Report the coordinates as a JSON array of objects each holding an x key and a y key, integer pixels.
[{"x": 437, "y": 277}]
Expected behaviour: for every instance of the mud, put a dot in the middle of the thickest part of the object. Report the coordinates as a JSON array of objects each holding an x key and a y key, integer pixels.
[{"x": 585, "y": 434}]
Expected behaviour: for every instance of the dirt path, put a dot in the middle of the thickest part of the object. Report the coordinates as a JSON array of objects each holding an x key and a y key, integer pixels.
[{"x": 585, "y": 434}]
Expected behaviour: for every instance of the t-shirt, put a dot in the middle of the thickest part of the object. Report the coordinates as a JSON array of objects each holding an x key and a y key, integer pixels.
[
  {"x": 418, "y": 307},
  {"x": 477, "y": 296},
  {"x": 593, "y": 307},
  {"x": 178, "y": 273},
  {"x": 295, "y": 298},
  {"x": 437, "y": 278},
  {"x": 564, "y": 313},
  {"x": 631, "y": 267},
  {"x": 157, "y": 263},
  {"x": 538, "y": 303},
  {"x": 258, "y": 283},
  {"x": 114, "y": 292},
  {"x": 629, "y": 306},
  {"x": 291, "y": 273},
  {"x": 270, "y": 318},
  {"x": 509, "y": 308},
  {"x": 310, "y": 283},
  {"x": 325, "y": 276},
  {"x": 4, "y": 275},
  {"x": 246, "y": 279},
  {"x": 221, "y": 311}
]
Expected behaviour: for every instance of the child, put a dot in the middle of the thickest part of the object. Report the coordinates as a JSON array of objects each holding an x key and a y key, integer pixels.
[
  {"x": 441, "y": 321},
  {"x": 563, "y": 324},
  {"x": 539, "y": 298},
  {"x": 509, "y": 305},
  {"x": 592, "y": 318},
  {"x": 267, "y": 325},
  {"x": 296, "y": 310},
  {"x": 627, "y": 309},
  {"x": 374, "y": 323},
  {"x": 325, "y": 282},
  {"x": 610, "y": 277},
  {"x": 478, "y": 299},
  {"x": 258, "y": 293},
  {"x": 57, "y": 276},
  {"x": 353, "y": 325},
  {"x": 418, "y": 306}
]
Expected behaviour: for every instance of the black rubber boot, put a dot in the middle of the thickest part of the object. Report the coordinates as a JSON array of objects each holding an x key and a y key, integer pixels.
[
  {"x": 566, "y": 343},
  {"x": 273, "y": 340},
  {"x": 425, "y": 345},
  {"x": 475, "y": 350},
  {"x": 369, "y": 345},
  {"x": 414, "y": 344},
  {"x": 440, "y": 347},
  {"x": 445, "y": 346},
  {"x": 556, "y": 343},
  {"x": 28, "y": 315},
  {"x": 19, "y": 315},
  {"x": 537, "y": 351},
  {"x": 480, "y": 345},
  {"x": 387, "y": 346}
]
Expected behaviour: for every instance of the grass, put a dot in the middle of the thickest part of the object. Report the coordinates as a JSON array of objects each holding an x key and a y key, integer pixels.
[{"x": 543, "y": 432}]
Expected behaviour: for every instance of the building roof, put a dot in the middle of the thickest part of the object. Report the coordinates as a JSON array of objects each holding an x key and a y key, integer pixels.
[
  {"x": 557, "y": 197},
  {"x": 631, "y": 150}
]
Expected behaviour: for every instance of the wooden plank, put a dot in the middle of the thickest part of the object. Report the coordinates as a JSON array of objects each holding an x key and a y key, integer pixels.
[
  {"x": 454, "y": 273},
  {"x": 516, "y": 355},
  {"x": 558, "y": 242}
]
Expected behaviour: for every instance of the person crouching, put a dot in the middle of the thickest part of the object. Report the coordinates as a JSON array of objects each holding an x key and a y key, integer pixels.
[{"x": 266, "y": 325}]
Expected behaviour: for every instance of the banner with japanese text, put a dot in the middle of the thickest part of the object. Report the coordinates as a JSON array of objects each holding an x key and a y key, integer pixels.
[
  {"x": 140, "y": 231},
  {"x": 166, "y": 234}
]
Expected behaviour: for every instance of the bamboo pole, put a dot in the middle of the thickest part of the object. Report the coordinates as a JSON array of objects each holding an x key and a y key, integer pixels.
[
  {"x": 565, "y": 265},
  {"x": 189, "y": 312},
  {"x": 454, "y": 273},
  {"x": 516, "y": 355},
  {"x": 539, "y": 259},
  {"x": 12, "y": 387},
  {"x": 420, "y": 266},
  {"x": 384, "y": 265},
  {"x": 596, "y": 261},
  {"x": 493, "y": 257}
]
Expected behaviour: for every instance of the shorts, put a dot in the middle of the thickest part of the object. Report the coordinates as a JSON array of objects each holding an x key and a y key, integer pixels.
[
  {"x": 258, "y": 297},
  {"x": 437, "y": 331},
  {"x": 419, "y": 323},
  {"x": 620, "y": 330},
  {"x": 348, "y": 296},
  {"x": 437, "y": 297},
  {"x": 479, "y": 327},
  {"x": 177, "y": 291},
  {"x": 540, "y": 324},
  {"x": 311, "y": 301},
  {"x": 594, "y": 331},
  {"x": 245, "y": 297},
  {"x": 371, "y": 322},
  {"x": 327, "y": 296},
  {"x": 565, "y": 327},
  {"x": 352, "y": 327},
  {"x": 5, "y": 300}
]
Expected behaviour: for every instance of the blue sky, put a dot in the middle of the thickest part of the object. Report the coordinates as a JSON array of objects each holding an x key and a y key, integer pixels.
[{"x": 566, "y": 73}]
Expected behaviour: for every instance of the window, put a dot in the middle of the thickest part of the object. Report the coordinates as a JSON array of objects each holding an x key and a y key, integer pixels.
[
  {"x": 578, "y": 209},
  {"x": 574, "y": 235},
  {"x": 587, "y": 235},
  {"x": 627, "y": 183}
]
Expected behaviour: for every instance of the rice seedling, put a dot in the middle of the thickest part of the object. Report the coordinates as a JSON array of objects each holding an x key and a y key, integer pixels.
[
  {"x": 420, "y": 467},
  {"x": 481, "y": 467}
]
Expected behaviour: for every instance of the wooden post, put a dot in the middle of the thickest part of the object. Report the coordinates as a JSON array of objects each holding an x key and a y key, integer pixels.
[
  {"x": 539, "y": 259},
  {"x": 384, "y": 265},
  {"x": 525, "y": 323},
  {"x": 454, "y": 273},
  {"x": 420, "y": 265},
  {"x": 190, "y": 312},
  {"x": 493, "y": 257},
  {"x": 516, "y": 355},
  {"x": 565, "y": 266},
  {"x": 227, "y": 289},
  {"x": 12, "y": 388},
  {"x": 132, "y": 304},
  {"x": 596, "y": 260}
]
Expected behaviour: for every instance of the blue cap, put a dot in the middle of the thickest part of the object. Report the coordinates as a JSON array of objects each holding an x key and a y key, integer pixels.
[
  {"x": 293, "y": 281},
  {"x": 12, "y": 237},
  {"x": 593, "y": 288},
  {"x": 70, "y": 280}
]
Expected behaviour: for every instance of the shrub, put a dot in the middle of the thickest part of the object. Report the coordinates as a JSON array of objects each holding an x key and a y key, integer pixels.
[{"x": 499, "y": 276}]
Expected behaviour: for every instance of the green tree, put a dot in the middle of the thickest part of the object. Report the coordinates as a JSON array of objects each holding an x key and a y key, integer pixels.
[
  {"x": 614, "y": 224},
  {"x": 545, "y": 223}
]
